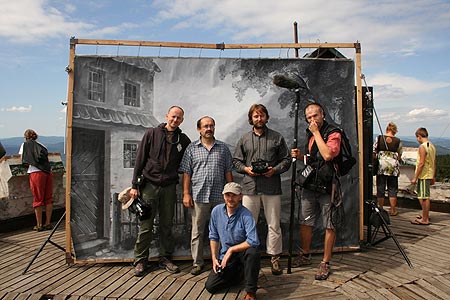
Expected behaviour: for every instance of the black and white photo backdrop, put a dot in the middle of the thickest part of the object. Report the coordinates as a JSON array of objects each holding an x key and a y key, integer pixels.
[{"x": 116, "y": 98}]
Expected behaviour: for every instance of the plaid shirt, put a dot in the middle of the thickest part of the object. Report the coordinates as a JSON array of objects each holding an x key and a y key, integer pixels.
[{"x": 207, "y": 170}]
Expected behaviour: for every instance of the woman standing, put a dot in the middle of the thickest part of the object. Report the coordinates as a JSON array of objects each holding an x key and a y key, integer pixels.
[
  {"x": 388, "y": 151},
  {"x": 35, "y": 155}
]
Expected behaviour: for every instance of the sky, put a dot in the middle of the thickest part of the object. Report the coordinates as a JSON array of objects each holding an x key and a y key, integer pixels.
[{"x": 405, "y": 47}]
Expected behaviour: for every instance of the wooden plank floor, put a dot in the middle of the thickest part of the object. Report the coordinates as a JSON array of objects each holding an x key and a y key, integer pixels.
[{"x": 375, "y": 272}]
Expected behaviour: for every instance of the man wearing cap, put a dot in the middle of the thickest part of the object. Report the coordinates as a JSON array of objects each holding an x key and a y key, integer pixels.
[
  {"x": 232, "y": 229},
  {"x": 157, "y": 160},
  {"x": 206, "y": 167}
]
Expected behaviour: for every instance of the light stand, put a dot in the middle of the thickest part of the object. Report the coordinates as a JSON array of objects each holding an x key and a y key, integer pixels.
[
  {"x": 374, "y": 209},
  {"x": 373, "y": 205},
  {"x": 48, "y": 241}
]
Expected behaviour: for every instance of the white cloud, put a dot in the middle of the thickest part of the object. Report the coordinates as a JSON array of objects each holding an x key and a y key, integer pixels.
[
  {"x": 23, "y": 21},
  {"x": 18, "y": 109},
  {"x": 389, "y": 86},
  {"x": 428, "y": 112},
  {"x": 398, "y": 27}
]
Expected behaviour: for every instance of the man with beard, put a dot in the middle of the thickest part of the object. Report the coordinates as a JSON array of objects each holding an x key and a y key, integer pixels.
[
  {"x": 206, "y": 167},
  {"x": 262, "y": 156},
  {"x": 157, "y": 160}
]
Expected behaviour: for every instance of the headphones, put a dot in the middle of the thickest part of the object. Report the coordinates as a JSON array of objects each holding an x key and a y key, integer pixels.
[{"x": 316, "y": 104}]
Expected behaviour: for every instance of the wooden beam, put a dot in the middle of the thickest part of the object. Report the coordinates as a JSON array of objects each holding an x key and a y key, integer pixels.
[
  {"x": 359, "y": 110},
  {"x": 219, "y": 46},
  {"x": 69, "y": 114}
]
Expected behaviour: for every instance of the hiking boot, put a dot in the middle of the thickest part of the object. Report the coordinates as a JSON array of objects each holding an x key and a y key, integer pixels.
[
  {"x": 196, "y": 270},
  {"x": 276, "y": 269},
  {"x": 301, "y": 260},
  {"x": 323, "y": 272},
  {"x": 139, "y": 269},
  {"x": 165, "y": 263},
  {"x": 250, "y": 296}
]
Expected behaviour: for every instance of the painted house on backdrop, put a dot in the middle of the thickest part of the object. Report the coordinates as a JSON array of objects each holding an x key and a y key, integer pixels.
[{"x": 112, "y": 107}]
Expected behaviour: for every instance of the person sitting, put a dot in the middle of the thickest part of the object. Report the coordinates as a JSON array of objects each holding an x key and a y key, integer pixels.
[{"x": 233, "y": 228}]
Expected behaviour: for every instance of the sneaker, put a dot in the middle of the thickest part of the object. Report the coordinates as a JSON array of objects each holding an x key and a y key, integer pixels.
[
  {"x": 276, "y": 269},
  {"x": 165, "y": 263},
  {"x": 37, "y": 228},
  {"x": 196, "y": 270},
  {"x": 250, "y": 296},
  {"x": 301, "y": 260},
  {"x": 139, "y": 269},
  {"x": 323, "y": 272}
]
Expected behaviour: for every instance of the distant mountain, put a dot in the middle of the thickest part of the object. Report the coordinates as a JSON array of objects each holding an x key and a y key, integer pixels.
[
  {"x": 53, "y": 144},
  {"x": 442, "y": 144}
]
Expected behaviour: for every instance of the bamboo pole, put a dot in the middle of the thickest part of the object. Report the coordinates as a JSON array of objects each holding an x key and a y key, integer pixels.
[
  {"x": 69, "y": 114},
  {"x": 359, "y": 107},
  {"x": 220, "y": 46}
]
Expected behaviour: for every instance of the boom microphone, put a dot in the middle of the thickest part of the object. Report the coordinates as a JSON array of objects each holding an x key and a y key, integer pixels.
[{"x": 285, "y": 82}]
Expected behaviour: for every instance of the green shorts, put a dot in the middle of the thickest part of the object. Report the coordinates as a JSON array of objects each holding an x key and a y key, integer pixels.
[{"x": 423, "y": 188}]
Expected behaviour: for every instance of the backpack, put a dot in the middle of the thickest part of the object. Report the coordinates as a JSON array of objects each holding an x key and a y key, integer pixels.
[{"x": 345, "y": 160}]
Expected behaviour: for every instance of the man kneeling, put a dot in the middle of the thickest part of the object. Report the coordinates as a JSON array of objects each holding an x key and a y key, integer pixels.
[{"x": 233, "y": 228}]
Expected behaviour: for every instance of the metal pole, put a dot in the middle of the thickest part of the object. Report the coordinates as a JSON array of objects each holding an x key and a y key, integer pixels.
[
  {"x": 296, "y": 38},
  {"x": 293, "y": 179}
]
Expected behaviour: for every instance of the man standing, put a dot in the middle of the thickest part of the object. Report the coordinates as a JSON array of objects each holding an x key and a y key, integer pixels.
[
  {"x": 322, "y": 146},
  {"x": 262, "y": 156},
  {"x": 206, "y": 167},
  {"x": 424, "y": 175},
  {"x": 233, "y": 228},
  {"x": 158, "y": 159}
]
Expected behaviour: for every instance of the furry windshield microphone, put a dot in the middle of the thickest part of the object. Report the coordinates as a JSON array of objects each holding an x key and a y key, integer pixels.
[{"x": 285, "y": 82}]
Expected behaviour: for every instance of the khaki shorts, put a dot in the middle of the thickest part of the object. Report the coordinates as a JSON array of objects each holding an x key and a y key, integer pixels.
[{"x": 315, "y": 205}]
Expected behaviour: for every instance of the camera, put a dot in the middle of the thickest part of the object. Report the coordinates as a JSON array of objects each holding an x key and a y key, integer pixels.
[
  {"x": 219, "y": 269},
  {"x": 141, "y": 208},
  {"x": 260, "y": 166}
]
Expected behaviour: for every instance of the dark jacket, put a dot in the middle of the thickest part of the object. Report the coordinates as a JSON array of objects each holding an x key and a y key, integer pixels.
[
  {"x": 151, "y": 158},
  {"x": 325, "y": 170},
  {"x": 35, "y": 154}
]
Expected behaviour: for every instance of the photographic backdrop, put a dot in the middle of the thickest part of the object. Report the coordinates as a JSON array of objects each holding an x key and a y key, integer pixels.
[{"x": 116, "y": 98}]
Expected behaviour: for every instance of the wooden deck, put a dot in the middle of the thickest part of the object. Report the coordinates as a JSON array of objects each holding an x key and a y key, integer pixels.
[{"x": 378, "y": 272}]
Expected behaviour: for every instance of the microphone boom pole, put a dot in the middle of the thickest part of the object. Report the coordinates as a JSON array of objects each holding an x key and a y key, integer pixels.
[{"x": 293, "y": 179}]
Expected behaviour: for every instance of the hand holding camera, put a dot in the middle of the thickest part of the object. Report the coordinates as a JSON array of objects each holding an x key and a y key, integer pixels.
[{"x": 260, "y": 166}]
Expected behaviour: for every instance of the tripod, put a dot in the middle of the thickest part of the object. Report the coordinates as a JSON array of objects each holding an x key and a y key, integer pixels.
[
  {"x": 48, "y": 241},
  {"x": 382, "y": 223}
]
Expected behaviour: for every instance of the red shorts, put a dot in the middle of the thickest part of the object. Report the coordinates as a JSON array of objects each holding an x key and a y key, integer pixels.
[{"x": 41, "y": 185}]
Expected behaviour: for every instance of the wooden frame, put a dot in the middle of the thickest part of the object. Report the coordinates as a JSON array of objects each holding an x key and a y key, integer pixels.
[{"x": 221, "y": 46}]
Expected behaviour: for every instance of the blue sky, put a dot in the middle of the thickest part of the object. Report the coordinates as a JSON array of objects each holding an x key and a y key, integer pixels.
[{"x": 405, "y": 48}]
